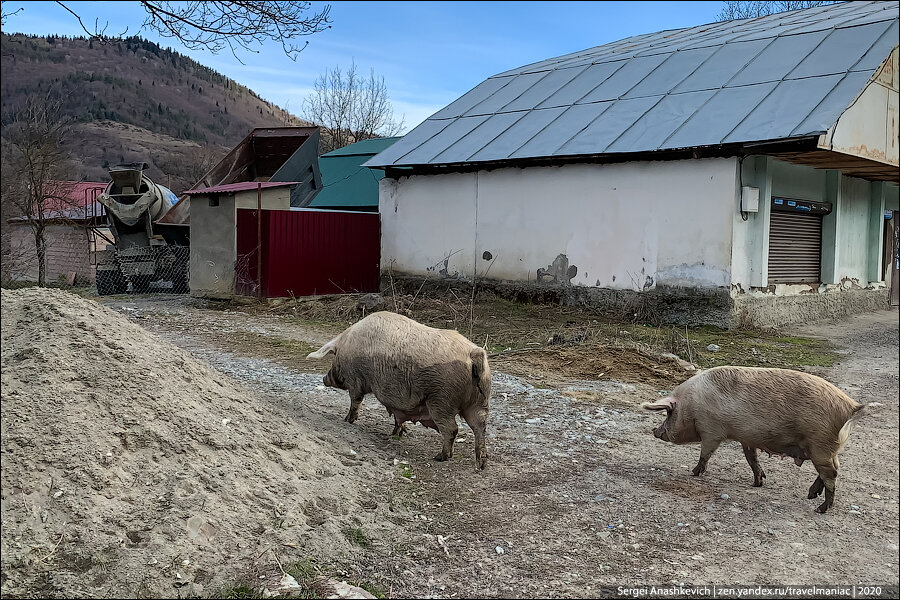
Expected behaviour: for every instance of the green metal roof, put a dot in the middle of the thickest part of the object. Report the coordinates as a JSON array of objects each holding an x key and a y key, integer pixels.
[{"x": 345, "y": 182}]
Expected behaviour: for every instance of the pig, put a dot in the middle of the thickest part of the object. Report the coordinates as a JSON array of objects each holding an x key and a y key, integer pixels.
[
  {"x": 420, "y": 374},
  {"x": 778, "y": 411}
]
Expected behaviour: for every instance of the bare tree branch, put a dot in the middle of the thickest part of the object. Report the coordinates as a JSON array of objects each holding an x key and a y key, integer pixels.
[
  {"x": 216, "y": 25},
  {"x": 350, "y": 109},
  {"x": 6, "y": 15},
  {"x": 743, "y": 9},
  {"x": 98, "y": 33}
]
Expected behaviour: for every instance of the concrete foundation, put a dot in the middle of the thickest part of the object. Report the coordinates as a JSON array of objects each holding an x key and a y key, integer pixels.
[
  {"x": 771, "y": 312},
  {"x": 663, "y": 305}
]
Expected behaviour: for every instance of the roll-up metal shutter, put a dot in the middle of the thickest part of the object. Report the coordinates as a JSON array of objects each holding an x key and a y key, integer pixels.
[{"x": 795, "y": 247}]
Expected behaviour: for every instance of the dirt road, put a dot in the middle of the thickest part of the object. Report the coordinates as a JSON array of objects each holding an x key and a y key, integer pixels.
[{"x": 578, "y": 494}]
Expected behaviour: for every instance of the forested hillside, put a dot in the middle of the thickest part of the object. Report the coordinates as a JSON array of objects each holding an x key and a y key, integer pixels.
[{"x": 135, "y": 101}]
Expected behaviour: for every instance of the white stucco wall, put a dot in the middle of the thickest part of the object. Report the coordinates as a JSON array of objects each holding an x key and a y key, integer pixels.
[{"x": 626, "y": 226}]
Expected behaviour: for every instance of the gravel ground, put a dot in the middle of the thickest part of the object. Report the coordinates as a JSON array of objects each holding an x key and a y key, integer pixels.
[{"x": 578, "y": 494}]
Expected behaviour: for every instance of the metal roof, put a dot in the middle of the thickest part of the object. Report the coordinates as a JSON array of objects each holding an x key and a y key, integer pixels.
[
  {"x": 365, "y": 147},
  {"x": 345, "y": 182},
  {"x": 781, "y": 76},
  {"x": 241, "y": 186}
]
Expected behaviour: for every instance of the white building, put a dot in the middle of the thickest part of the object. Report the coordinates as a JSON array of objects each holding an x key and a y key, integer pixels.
[{"x": 737, "y": 172}]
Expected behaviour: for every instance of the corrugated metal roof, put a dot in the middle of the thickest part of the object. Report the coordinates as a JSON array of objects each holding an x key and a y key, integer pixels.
[
  {"x": 241, "y": 186},
  {"x": 345, "y": 182},
  {"x": 781, "y": 76}
]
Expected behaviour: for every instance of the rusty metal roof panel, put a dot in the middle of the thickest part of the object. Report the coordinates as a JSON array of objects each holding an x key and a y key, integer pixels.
[{"x": 776, "y": 77}]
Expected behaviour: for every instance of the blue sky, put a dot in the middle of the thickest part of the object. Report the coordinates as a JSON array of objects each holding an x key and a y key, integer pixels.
[{"x": 429, "y": 53}]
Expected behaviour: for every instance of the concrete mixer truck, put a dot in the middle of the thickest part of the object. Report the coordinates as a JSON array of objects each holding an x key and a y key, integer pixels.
[{"x": 142, "y": 254}]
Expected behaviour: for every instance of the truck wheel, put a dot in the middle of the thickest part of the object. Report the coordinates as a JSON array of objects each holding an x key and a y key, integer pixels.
[{"x": 109, "y": 282}]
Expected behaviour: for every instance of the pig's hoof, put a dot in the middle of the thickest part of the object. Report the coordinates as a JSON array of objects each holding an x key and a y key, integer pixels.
[
  {"x": 698, "y": 470},
  {"x": 813, "y": 494},
  {"x": 350, "y": 418},
  {"x": 442, "y": 457},
  {"x": 822, "y": 508},
  {"x": 481, "y": 465},
  {"x": 758, "y": 481}
]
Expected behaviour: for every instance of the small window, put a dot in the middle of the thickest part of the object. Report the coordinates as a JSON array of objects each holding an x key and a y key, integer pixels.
[{"x": 214, "y": 200}]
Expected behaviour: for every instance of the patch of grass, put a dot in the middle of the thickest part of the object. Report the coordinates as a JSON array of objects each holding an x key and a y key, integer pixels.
[
  {"x": 303, "y": 571},
  {"x": 500, "y": 325},
  {"x": 238, "y": 592},
  {"x": 296, "y": 346},
  {"x": 406, "y": 471},
  {"x": 293, "y": 348},
  {"x": 371, "y": 588},
  {"x": 306, "y": 573},
  {"x": 356, "y": 536}
]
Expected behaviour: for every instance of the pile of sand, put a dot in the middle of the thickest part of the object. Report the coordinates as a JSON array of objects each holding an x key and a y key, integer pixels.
[{"x": 130, "y": 468}]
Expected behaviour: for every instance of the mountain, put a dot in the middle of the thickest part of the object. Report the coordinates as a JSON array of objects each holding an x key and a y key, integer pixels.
[{"x": 133, "y": 100}]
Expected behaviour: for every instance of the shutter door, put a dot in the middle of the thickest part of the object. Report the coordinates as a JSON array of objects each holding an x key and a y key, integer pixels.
[{"x": 795, "y": 247}]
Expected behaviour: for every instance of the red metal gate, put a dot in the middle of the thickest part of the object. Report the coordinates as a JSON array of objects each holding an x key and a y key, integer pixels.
[{"x": 307, "y": 252}]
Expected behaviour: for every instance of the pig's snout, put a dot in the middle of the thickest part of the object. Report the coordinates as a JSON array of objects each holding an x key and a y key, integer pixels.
[{"x": 660, "y": 433}]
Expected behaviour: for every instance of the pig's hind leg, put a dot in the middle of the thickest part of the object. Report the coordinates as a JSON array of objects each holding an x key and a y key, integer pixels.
[
  {"x": 752, "y": 455},
  {"x": 827, "y": 466},
  {"x": 445, "y": 422},
  {"x": 476, "y": 417}
]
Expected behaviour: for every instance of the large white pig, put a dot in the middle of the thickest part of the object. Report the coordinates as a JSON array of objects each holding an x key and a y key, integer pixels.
[
  {"x": 419, "y": 373},
  {"x": 778, "y": 411}
]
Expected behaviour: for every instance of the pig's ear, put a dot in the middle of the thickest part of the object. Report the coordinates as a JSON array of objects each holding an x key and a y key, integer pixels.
[{"x": 667, "y": 403}]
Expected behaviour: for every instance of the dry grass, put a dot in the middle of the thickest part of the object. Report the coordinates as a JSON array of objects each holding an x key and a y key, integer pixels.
[{"x": 569, "y": 342}]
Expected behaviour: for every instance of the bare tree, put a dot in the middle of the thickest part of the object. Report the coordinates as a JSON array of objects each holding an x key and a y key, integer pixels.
[
  {"x": 350, "y": 108},
  {"x": 216, "y": 25},
  {"x": 735, "y": 9},
  {"x": 36, "y": 167}
]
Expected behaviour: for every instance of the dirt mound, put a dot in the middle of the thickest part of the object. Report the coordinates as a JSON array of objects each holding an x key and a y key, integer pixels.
[
  {"x": 132, "y": 469},
  {"x": 594, "y": 362}
]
